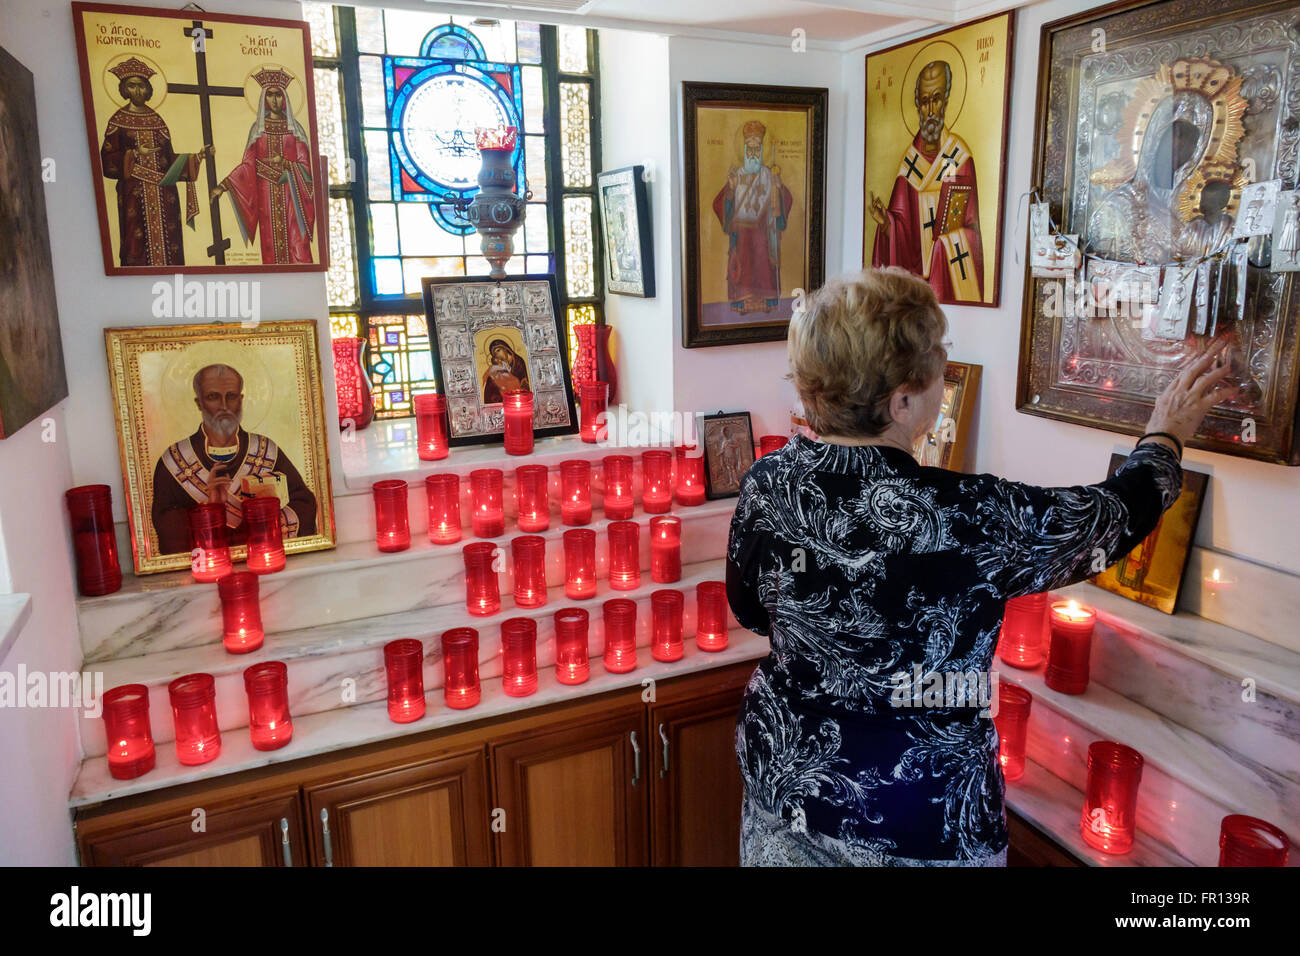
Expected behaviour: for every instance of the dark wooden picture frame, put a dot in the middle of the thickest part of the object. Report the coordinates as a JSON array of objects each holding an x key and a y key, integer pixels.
[
  {"x": 716, "y": 458},
  {"x": 208, "y": 178},
  {"x": 812, "y": 102},
  {"x": 641, "y": 231},
  {"x": 495, "y": 299},
  {"x": 1113, "y": 386},
  {"x": 985, "y": 171}
]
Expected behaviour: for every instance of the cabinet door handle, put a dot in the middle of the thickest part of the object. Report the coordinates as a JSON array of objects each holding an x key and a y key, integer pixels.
[
  {"x": 663, "y": 771},
  {"x": 325, "y": 833},
  {"x": 636, "y": 760},
  {"x": 284, "y": 841}
]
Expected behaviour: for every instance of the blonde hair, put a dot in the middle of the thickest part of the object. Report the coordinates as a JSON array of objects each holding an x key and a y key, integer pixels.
[{"x": 857, "y": 340}]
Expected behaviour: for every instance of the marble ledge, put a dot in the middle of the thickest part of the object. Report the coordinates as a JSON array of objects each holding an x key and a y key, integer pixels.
[
  {"x": 15, "y": 611},
  {"x": 363, "y": 724}
]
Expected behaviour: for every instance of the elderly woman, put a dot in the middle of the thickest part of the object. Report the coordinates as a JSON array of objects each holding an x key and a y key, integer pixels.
[{"x": 866, "y": 569}]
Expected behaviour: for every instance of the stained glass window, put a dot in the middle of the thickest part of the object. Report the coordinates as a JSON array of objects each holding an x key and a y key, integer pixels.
[{"x": 404, "y": 92}]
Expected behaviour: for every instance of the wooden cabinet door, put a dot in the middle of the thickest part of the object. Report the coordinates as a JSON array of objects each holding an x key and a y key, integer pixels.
[
  {"x": 266, "y": 831},
  {"x": 574, "y": 793},
  {"x": 697, "y": 789},
  {"x": 428, "y": 813}
]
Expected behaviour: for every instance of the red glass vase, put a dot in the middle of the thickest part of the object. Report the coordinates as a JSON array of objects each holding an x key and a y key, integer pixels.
[
  {"x": 356, "y": 404},
  {"x": 594, "y": 363},
  {"x": 90, "y": 510}
]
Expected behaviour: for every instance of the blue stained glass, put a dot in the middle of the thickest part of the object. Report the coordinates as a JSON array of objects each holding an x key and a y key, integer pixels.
[
  {"x": 392, "y": 338},
  {"x": 451, "y": 42},
  {"x": 383, "y": 368},
  {"x": 397, "y": 396}
]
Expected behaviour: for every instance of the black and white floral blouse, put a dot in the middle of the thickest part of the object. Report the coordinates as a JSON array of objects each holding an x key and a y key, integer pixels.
[{"x": 862, "y": 565}]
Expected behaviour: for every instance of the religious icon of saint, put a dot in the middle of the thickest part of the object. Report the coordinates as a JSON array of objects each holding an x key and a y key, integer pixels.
[
  {"x": 221, "y": 462},
  {"x": 1288, "y": 240},
  {"x": 272, "y": 188},
  {"x": 752, "y": 208},
  {"x": 506, "y": 372},
  {"x": 928, "y": 227},
  {"x": 137, "y": 152}
]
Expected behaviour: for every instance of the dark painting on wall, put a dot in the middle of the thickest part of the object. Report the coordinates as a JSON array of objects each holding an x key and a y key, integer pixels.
[{"x": 32, "y": 377}]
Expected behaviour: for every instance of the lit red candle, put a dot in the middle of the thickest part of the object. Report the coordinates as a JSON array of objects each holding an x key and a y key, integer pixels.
[
  {"x": 431, "y": 434},
  {"x": 770, "y": 443},
  {"x": 130, "y": 738},
  {"x": 404, "y": 665},
  {"x": 532, "y": 502},
  {"x": 592, "y": 397},
  {"x": 519, "y": 656},
  {"x": 269, "y": 724},
  {"x": 1012, "y": 721},
  {"x": 1023, "y": 626},
  {"x": 241, "y": 614},
  {"x": 518, "y": 408},
  {"x": 528, "y": 553},
  {"x": 690, "y": 476},
  {"x": 620, "y": 635},
  {"x": 90, "y": 510},
  {"x": 1067, "y": 660},
  {"x": 572, "y": 665},
  {"x": 1109, "y": 820},
  {"x": 666, "y": 625},
  {"x": 665, "y": 549},
  {"x": 616, "y": 473},
  {"x": 711, "y": 616},
  {"x": 624, "y": 555},
  {"x": 194, "y": 718},
  {"x": 579, "y": 564},
  {"x": 657, "y": 480},
  {"x": 392, "y": 523},
  {"x": 482, "y": 590},
  {"x": 460, "y": 687},
  {"x": 575, "y": 492},
  {"x": 443, "y": 493},
  {"x": 488, "y": 514},
  {"x": 265, "y": 540},
  {"x": 1250, "y": 841},
  {"x": 210, "y": 557}
]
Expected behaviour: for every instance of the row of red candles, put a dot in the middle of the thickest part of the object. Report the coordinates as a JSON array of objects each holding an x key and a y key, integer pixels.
[
  {"x": 1109, "y": 818},
  {"x": 193, "y": 696}
]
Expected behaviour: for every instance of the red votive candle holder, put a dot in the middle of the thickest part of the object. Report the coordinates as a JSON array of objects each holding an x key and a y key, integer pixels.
[
  {"x": 575, "y": 492},
  {"x": 1012, "y": 721},
  {"x": 592, "y": 398},
  {"x": 771, "y": 443},
  {"x": 1109, "y": 818},
  {"x": 1024, "y": 624},
  {"x": 460, "y": 687},
  {"x": 572, "y": 665},
  {"x": 404, "y": 664},
  {"x": 210, "y": 559},
  {"x": 443, "y": 493},
  {"x": 532, "y": 503},
  {"x": 529, "y": 558},
  {"x": 130, "y": 738},
  {"x": 431, "y": 435},
  {"x": 518, "y": 407},
  {"x": 624, "y": 555},
  {"x": 690, "y": 476},
  {"x": 616, "y": 472},
  {"x": 1250, "y": 841},
  {"x": 620, "y": 635},
  {"x": 665, "y": 549},
  {"x": 711, "y": 616},
  {"x": 90, "y": 512},
  {"x": 1067, "y": 660},
  {"x": 489, "y": 517},
  {"x": 392, "y": 525},
  {"x": 265, "y": 539},
  {"x": 656, "y": 481},
  {"x": 269, "y": 724},
  {"x": 241, "y": 614},
  {"x": 194, "y": 717},
  {"x": 519, "y": 656},
  {"x": 482, "y": 590},
  {"x": 666, "y": 621},
  {"x": 579, "y": 564}
]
